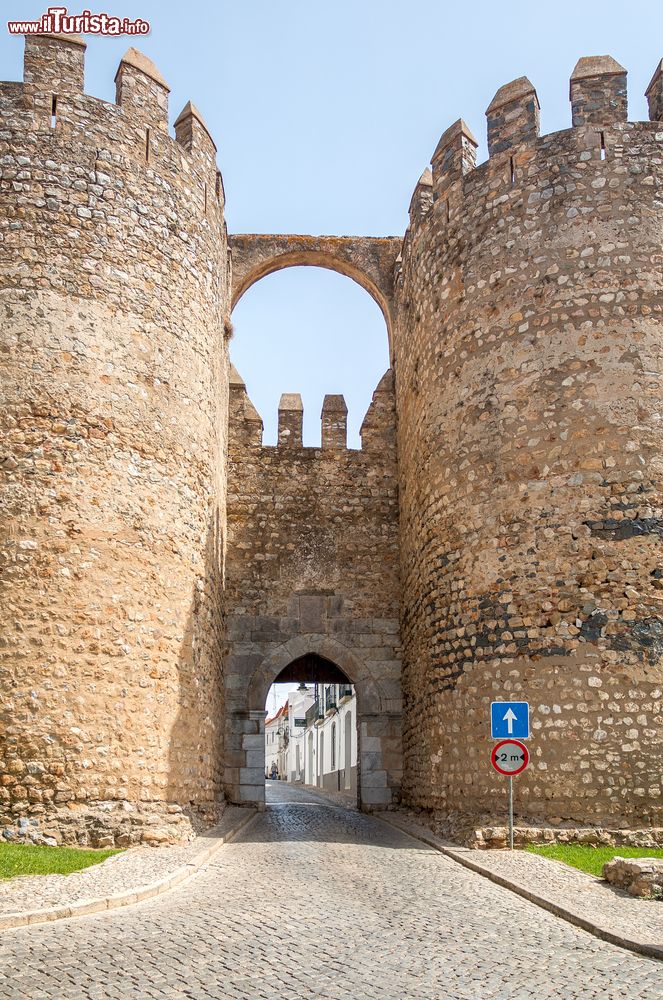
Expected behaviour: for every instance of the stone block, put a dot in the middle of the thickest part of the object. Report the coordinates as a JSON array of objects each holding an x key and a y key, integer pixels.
[
  {"x": 641, "y": 877},
  {"x": 376, "y": 796},
  {"x": 513, "y": 116},
  {"x": 311, "y": 611},
  {"x": 253, "y": 741},
  {"x": 252, "y": 793},
  {"x": 598, "y": 91},
  {"x": 371, "y": 761},
  {"x": 251, "y": 775}
]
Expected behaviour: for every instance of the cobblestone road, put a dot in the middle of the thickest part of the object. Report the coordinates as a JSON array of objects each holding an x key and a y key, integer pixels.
[{"x": 314, "y": 900}]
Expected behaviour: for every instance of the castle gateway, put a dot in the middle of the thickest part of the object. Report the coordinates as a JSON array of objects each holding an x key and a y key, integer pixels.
[{"x": 500, "y": 535}]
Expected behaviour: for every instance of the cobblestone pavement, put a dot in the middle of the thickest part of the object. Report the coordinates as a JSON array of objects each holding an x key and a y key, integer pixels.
[
  {"x": 608, "y": 908},
  {"x": 314, "y": 900}
]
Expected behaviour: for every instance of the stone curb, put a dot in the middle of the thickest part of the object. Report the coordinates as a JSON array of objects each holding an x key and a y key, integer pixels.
[
  {"x": 429, "y": 838},
  {"x": 87, "y": 906}
]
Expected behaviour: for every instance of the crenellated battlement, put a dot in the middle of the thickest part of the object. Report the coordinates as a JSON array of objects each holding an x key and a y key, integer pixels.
[
  {"x": 599, "y": 131},
  {"x": 159, "y": 560},
  {"x": 527, "y": 348},
  {"x": 51, "y": 101},
  {"x": 377, "y": 429}
]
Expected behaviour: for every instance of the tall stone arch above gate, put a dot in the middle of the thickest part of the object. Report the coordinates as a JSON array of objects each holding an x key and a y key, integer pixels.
[{"x": 368, "y": 260}]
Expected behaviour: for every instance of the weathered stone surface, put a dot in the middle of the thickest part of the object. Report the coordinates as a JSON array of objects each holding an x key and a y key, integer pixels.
[
  {"x": 528, "y": 356},
  {"x": 641, "y": 877},
  {"x": 598, "y": 91},
  {"x": 313, "y": 567},
  {"x": 367, "y": 260},
  {"x": 512, "y": 116},
  {"x": 113, "y": 376},
  {"x": 513, "y": 529}
]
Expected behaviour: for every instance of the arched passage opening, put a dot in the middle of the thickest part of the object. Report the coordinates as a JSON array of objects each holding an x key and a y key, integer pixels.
[
  {"x": 350, "y": 722},
  {"x": 311, "y": 730},
  {"x": 312, "y": 560},
  {"x": 370, "y": 261},
  {"x": 314, "y": 333}
]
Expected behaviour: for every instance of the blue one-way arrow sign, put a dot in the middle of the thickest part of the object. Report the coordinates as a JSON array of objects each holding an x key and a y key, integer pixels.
[{"x": 509, "y": 718}]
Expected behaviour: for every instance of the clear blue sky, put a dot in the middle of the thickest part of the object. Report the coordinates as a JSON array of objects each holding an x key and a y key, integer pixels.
[{"x": 325, "y": 113}]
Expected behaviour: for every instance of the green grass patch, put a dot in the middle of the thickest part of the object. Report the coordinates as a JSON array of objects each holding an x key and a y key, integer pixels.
[
  {"x": 591, "y": 859},
  {"x": 22, "y": 859}
]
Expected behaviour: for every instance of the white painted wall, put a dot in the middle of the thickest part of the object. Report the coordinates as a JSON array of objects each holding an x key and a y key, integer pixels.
[
  {"x": 272, "y": 742},
  {"x": 317, "y": 744},
  {"x": 298, "y": 703}
]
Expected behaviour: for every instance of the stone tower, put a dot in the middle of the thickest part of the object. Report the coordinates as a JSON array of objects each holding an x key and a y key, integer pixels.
[
  {"x": 113, "y": 374},
  {"x": 529, "y": 354}
]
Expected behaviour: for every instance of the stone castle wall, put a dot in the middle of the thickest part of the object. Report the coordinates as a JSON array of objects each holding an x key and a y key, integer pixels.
[
  {"x": 529, "y": 357},
  {"x": 313, "y": 567},
  {"x": 112, "y": 421},
  {"x": 503, "y": 516}
]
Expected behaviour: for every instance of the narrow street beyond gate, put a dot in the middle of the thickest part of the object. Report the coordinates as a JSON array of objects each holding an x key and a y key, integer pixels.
[{"x": 317, "y": 900}]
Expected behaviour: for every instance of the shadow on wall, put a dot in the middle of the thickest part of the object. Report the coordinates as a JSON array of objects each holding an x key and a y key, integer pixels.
[{"x": 195, "y": 739}]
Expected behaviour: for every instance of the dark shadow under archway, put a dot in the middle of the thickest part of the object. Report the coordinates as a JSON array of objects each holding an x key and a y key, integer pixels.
[{"x": 312, "y": 669}]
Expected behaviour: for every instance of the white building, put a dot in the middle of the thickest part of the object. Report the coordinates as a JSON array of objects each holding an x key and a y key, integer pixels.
[
  {"x": 312, "y": 739},
  {"x": 330, "y": 754},
  {"x": 299, "y": 702},
  {"x": 274, "y": 738}
]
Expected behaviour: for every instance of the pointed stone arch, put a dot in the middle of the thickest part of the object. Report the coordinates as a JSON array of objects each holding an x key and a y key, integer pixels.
[{"x": 369, "y": 696}]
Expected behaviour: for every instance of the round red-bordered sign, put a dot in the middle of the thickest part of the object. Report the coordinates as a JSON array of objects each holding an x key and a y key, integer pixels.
[{"x": 509, "y": 757}]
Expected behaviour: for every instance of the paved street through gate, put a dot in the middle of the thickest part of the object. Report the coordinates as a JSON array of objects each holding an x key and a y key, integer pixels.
[{"x": 317, "y": 900}]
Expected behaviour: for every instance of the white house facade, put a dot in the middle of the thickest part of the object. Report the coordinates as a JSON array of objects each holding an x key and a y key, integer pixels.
[
  {"x": 274, "y": 730},
  {"x": 330, "y": 753}
]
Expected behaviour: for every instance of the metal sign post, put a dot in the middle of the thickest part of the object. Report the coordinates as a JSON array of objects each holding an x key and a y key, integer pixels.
[
  {"x": 510, "y": 757},
  {"x": 510, "y": 780}
]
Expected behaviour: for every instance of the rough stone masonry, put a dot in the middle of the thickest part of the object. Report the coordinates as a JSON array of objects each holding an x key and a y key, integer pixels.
[{"x": 497, "y": 535}]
